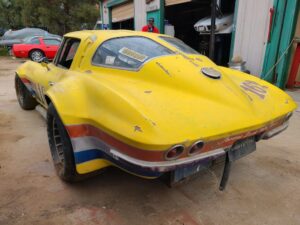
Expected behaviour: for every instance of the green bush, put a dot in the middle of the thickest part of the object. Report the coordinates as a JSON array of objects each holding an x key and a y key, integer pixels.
[{"x": 3, "y": 52}]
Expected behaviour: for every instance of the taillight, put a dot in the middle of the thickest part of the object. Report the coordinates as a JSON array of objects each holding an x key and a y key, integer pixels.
[
  {"x": 196, "y": 147},
  {"x": 174, "y": 153}
]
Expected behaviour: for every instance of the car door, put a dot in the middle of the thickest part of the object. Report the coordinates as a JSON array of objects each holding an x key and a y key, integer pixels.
[
  {"x": 51, "y": 47},
  {"x": 47, "y": 75}
]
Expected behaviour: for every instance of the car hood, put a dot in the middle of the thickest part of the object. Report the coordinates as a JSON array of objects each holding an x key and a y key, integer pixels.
[{"x": 176, "y": 102}]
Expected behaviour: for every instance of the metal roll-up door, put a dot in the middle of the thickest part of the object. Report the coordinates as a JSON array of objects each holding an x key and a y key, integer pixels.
[
  {"x": 174, "y": 2},
  {"x": 123, "y": 12}
]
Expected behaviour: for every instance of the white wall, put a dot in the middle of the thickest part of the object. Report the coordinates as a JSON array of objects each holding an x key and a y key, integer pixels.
[
  {"x": 252, "y": 26},
  {"x": 105, "y": 13},
  {"x": 140, "y": 19}
]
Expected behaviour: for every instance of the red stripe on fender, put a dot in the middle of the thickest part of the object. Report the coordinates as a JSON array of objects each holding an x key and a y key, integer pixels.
[
  {"x": 76, "y": 131},
  {"x": 88, "y": 130},
  {"x": 24, "y": 80}
]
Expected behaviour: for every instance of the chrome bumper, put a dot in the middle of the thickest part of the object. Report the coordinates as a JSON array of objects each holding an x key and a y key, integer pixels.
[
  {"x": 166, "y": 166},
  {"x": 275, "y": 131}
]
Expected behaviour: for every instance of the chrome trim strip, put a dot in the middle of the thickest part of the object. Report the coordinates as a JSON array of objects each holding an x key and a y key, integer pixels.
[
  {"x": 166, "y": 165},
  {"x": 275, "y": 131}
]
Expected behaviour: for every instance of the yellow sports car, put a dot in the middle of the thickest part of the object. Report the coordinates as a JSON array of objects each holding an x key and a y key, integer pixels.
[{"x": 148, "y": 104}]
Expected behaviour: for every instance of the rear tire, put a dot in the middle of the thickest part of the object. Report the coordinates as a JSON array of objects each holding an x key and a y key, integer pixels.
[
  {"x": 25, "y": 99},
  {"x": 61, "y": 149},
  {"x": 36, "y": 55}
]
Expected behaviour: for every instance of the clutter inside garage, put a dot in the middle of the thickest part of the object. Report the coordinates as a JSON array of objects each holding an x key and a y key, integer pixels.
[{"x": 191, "y": 21}]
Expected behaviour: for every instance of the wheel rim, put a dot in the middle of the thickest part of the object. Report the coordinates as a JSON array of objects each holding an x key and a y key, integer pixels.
[
  {"x": 20, "y": 92},
  {"x": 36, "y": 56},
  {"x": 58, "y": 145}
]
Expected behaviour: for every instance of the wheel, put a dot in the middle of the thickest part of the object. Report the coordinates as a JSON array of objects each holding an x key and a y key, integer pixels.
[
  {"x": 36, "y": 55},
  {"x": 61, "y": 149},
  {"x": 25, "y": 99}
]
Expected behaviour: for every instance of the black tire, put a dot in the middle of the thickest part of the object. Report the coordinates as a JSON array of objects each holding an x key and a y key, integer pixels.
[
  {"x": 61, "y": 149},
  {"x": 25, "y": 99},
  {"x": 36, "y": 55}
]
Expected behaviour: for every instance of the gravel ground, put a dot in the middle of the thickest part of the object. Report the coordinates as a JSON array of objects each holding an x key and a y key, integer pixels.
[{"x": 263, "y": 187}]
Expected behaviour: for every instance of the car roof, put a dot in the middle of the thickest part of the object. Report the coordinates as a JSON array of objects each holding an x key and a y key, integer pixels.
[{"x": 108, "y": 34}]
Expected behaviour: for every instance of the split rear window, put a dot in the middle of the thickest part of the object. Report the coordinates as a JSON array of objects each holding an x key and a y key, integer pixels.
[
  {"x": 128, "y": 52},
  {"x": 180, "y": 45}
]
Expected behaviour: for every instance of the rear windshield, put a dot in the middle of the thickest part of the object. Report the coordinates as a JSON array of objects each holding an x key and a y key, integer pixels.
[
  {"x": 180, "y": 45},
  {"x": 128, "y": 52}
]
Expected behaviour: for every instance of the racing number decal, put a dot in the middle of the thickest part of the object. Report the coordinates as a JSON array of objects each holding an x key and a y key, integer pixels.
[
  {"x": 39, "y": 92},
  {"x": 255, "y": 88}
]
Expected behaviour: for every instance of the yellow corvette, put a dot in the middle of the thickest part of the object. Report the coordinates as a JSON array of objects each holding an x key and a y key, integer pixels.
[{"x": 146, "y": 103}]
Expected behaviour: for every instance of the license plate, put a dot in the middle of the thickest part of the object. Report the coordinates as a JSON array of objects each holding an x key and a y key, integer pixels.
[{"x": 242, "y": 148}]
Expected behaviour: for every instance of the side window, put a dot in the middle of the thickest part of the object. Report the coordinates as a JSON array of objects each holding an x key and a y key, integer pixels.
[
  {"x": 128, "y": 52},
  {"x": 35, "y": 41},
  {"x": 52, "y": 42},
  {"x": 67, "y": 53}
]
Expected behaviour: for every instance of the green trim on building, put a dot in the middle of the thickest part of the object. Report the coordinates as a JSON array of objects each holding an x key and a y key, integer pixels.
[
  {"x": 272, "y": 47},
  {"x": 112, "y": 3},
  {"x": 287, "y": 35},
  {"x": 236, "y": 9}
]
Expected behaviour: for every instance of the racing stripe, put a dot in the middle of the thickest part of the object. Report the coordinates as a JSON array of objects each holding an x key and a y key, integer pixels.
[{"x": 85, "y": 137}]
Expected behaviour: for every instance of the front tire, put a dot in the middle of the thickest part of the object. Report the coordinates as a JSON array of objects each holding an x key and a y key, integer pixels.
[{"x": 25, "y": 99}]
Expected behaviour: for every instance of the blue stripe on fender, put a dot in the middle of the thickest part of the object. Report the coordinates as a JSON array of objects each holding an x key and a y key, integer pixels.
[
  {"x": 88, "y": 155},
  {"x": 84, "y": 156}
]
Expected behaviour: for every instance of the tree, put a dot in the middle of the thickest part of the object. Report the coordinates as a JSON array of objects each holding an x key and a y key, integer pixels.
[{"x": 59, "y": 16}]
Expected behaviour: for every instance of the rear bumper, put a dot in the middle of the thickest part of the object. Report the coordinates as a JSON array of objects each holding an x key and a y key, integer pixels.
[
  {"x": 275, "y": 131},
  {"x": 202, "y": 158},
  {"x": 166, "y": 166},
  {"x": 90, "y": 144}
]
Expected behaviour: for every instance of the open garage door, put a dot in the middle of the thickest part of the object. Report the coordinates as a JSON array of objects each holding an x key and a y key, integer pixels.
[
  {"x": 175, "y": 2},
  {"x": 183, "y": 14},
  {"x": 122, "y": 16}
]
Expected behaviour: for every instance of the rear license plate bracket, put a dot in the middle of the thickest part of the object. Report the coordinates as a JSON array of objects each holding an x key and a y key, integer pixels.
[{"x": 241, "y": 148}]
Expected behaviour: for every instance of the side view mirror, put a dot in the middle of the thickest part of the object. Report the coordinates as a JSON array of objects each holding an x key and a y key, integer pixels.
[{"x": 44, "y": 62}]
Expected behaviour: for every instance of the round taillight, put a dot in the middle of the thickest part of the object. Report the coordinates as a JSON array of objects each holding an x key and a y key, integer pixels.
[
  {"x": 174, "y": 152},
  {"x": 196, "y": 147}
]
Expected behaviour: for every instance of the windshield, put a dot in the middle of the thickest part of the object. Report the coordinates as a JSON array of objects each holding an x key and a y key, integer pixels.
[
  {"x": 128, "y": 52},
  {"x": 180, "y": 45}
]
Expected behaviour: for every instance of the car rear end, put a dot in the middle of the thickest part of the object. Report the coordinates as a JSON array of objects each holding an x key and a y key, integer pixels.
[{"x": 19, "y": 51}]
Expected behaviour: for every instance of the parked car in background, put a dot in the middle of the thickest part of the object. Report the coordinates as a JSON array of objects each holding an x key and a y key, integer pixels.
[
  {"x": 2, "y": 31},
  {"x": 36, "y": 48},
  {"x": 11, "y": 37}
]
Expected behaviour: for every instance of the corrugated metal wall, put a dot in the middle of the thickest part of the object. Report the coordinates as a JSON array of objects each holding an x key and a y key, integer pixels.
[
  {"x": 252, "y": 32},
  {"x": 123, "y": 12}
]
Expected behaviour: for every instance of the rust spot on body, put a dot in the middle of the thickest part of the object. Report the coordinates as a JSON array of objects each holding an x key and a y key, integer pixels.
[{"x": 137, "y": 129}]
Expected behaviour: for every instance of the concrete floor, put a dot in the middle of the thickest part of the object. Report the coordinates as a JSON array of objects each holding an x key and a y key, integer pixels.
[{"x": 263, "y": 187}]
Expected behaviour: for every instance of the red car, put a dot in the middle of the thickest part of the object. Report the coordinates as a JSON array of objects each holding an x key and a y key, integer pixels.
[{"x": 36, "y": 48}]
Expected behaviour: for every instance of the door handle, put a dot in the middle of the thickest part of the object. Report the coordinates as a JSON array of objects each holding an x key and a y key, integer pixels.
[{"x": 51, "y": 83}]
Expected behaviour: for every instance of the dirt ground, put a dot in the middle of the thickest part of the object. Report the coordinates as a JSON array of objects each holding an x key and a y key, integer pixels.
[{"x": 264, "y": 187}]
